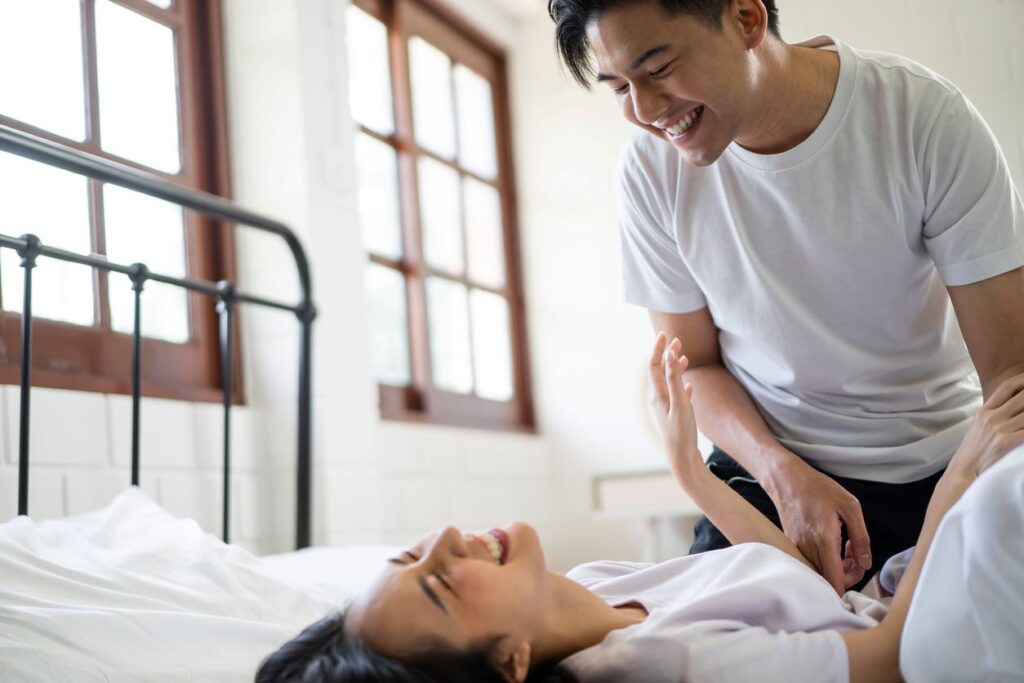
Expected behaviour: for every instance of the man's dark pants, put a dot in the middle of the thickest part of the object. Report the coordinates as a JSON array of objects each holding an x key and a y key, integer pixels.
[{"x": 893, "y": 513}]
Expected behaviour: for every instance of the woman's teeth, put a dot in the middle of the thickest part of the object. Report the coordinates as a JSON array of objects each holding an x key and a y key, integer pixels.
[
  {"x": 685, "y": 124},
  {"x": 490, "y": 539}
]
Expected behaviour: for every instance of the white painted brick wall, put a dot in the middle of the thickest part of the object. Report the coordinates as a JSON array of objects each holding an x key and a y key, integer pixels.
[{"x": 67, "y": 427}]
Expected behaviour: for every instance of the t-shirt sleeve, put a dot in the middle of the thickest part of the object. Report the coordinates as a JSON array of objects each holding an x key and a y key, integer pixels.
[
  {"x": 721, "y": 651},
  {"x": 974, "y": 219},
  {"x": 653, "y": 271}
]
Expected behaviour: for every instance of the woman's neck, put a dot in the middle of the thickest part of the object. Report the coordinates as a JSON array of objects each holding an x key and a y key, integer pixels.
[{"x": 577, "y": 619}]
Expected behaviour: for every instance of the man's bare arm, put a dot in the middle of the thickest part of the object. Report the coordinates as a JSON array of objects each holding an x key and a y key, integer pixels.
[
  {"x": 991, "y": 317},
  {"x": 812, "y": 506}
]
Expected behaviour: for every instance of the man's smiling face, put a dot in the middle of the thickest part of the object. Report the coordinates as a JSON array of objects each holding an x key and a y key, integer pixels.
[{"x": 675, "y": 76}]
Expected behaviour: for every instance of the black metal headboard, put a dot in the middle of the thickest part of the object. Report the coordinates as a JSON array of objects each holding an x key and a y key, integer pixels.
[{"x": 29, "y": 247}]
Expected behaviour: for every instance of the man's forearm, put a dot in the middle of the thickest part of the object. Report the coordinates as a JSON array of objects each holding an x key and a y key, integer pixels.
[{"x": 726, "y": 414}]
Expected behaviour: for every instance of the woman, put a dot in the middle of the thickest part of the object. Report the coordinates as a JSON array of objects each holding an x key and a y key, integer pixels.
[{"x": 463, "y": 607}]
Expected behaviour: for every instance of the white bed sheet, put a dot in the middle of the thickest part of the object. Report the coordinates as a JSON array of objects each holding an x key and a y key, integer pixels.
[{"x": 131, "y": 593}]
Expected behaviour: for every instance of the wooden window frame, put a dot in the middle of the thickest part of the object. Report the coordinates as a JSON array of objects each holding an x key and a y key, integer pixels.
[
  {"x": 422, "y": 401},
  {"x": 96, "y": 358}
]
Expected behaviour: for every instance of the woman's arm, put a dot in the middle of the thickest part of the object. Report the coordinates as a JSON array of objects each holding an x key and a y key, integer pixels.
[
  {"x": 997, "y": 429},
  {"x": 737, "y": 519}
]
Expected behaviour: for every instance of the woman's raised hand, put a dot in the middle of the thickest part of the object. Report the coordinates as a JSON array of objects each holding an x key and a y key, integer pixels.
[
  {"x": 670, "y": 399},
  {"x": 996, "y": 430}
]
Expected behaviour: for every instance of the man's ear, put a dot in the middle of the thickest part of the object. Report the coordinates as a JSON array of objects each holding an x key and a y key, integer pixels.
[{"x": 512, "y": 659}]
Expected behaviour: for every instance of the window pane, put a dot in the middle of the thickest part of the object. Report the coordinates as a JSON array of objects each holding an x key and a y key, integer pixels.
[
  {"x": 484, "y": 234},
  {"x": 162, "y": 3},
  {"x": 389, "y": 335},
  {"x": 476, "y": 123},
  {"x": 448, "y": 321},
  {"x": 433, "y": 118},
  {"x": 368, "y": 75},
  {"x": 377, "y": 167},
  {"x": 439, "y": 216},
  {"x": 138, "y": 92},
  {"x": 53, "y": 205},
  {"x": 143, "y": 229},
  {"x": 492, "y": 353},
  {"x": 41, "y": 80}
]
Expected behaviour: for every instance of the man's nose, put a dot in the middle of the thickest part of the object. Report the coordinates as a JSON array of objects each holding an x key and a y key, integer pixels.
[{"x": 648, "y": 104}]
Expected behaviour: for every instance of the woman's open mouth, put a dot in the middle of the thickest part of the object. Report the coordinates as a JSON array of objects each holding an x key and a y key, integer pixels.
[{"x": 498, "y": 543}]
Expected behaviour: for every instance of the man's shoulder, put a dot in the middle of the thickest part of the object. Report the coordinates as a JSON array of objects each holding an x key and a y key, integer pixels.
[{"x": 890, "y": 71}]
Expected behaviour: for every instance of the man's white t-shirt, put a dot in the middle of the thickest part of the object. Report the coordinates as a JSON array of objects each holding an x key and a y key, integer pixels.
[
  {"x": 746, "y": 613},
  {"x": 824, "y": 267}
]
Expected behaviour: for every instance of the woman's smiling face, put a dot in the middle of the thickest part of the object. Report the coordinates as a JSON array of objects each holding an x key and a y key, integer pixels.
[{"x": 456, "y": 590}]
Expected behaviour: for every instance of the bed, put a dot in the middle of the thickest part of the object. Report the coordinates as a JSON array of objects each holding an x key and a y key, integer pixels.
[{"x": 129, "y": 592}]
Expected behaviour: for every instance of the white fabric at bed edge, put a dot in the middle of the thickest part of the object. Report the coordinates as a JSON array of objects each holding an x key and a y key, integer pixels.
[
  {"x": 966, "y": 623},
  {"x": 131, "y": 593}
]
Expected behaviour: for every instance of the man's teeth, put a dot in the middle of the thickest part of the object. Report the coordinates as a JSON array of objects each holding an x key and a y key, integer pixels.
[
  {"x": 687, "y": 121},
  {"x": 493, "y": 545}
]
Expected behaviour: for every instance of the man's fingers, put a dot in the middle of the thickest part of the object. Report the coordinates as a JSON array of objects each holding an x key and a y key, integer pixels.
[{"x": 859, "y": 543}]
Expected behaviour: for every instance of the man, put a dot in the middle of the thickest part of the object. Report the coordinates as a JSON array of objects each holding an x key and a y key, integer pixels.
[{"x": 834, "y": 239}]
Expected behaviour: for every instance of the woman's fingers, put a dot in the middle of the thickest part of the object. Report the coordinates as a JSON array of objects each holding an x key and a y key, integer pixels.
[
  {"x": 1013, "y": 405},
  {"x": 659, "y": 390},
  {"x": 1007, "y": 389},
  {"x": 659, "y": 349}
]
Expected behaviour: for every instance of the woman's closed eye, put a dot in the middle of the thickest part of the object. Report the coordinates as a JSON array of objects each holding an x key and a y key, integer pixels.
[{"x": 436, "y": 574}]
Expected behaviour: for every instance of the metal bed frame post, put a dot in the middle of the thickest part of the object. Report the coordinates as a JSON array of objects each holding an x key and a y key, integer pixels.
[
  {"x": 138, "y": 275},
  {"x": 226, "y": 300},
  {"x": 29, "y": 247}
]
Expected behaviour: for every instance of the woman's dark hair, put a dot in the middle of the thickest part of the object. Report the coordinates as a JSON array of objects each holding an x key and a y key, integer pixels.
[
  {"x": 325, "y": 653},
  {"x": 571, "y": 18}
]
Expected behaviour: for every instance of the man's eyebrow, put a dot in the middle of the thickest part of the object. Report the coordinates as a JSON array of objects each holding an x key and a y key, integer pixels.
[{"x": 637, "y": 63}]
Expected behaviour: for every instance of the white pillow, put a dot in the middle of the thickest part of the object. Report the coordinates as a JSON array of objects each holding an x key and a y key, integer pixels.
[
  {"x": 333, "y": 576},
  {"x": 131, "y": 593}
]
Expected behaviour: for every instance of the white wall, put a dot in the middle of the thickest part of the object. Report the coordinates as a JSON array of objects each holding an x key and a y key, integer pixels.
[{"x": 291, "y": 154}]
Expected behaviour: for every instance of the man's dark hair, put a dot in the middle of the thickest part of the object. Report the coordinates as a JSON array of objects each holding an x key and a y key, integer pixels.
[
  {"x": 325, "y": 653},
  {"x": 571, "y": 18}
]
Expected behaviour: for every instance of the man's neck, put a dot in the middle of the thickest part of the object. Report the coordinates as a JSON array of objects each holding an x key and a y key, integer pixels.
[{"x": 795, "y": 89}]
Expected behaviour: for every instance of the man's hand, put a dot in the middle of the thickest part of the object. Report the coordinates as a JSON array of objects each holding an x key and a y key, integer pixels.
[{"x": 814, "y": 509}]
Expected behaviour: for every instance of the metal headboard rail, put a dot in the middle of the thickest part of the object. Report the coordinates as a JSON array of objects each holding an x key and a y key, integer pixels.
[{"x": 29, "y": 247}]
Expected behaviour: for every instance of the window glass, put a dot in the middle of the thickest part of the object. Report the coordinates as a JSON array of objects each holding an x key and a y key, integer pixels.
[
  {"x": 147, "y": 230},
  {"x": 433, "y": 115},
  {"x": 41, "y": 65},
  {"x": 53, "y": 205},
  {"x": 388, "y": 331},
  {"x": 476, "y": 123},
  {"x": 369, "y": 82},
  {"x": 440, "y": 216},
  {"x": 492, "y": 355},
  {"x": 377, "y": 171},
  {"x": 138, "y": 87},
  {"x": 448, "y": 318},
  {"x": 484, "y": 234}
]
